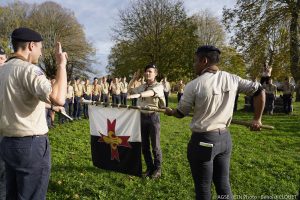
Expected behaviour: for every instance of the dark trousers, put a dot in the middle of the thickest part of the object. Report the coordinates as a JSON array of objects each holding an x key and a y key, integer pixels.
[
  {"x": 104, "y": 98},
  {"x": 210, "y": 163},
  {"x": 179, "y": 96},
  {"x": 70, "y": 106},
  {"x": 270, "y": 99},
  {"x": 27, "y": 163},
  {"x": 2, "y": 178},
  {"x": 124, "y": 98},
  {"x": 150, "y": 128},
  {"x": 77, "y": 108},
  {"x": 95, "y": 97},
  {"x": 134, "y": 102},
  {"x": 85, "y": 106},
  {"x": 61, "y": 118},
  {"x": 167, "y": 98},
  {"x": 116, "y": 99},
  {"x": 287, "y": 103}
]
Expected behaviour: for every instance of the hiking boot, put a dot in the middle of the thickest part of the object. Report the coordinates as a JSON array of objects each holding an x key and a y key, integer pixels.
[{"x": 156, "y": 174}]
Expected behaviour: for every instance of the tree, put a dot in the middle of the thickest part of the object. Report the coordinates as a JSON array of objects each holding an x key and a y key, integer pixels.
[
  {"x": 55, "y": 24},
  {"x": 262, "y": 31},
  {"x": 154, "y": 31}
]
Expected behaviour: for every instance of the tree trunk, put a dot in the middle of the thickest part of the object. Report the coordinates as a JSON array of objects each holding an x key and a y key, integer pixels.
[{"x": 294, "y": 43}]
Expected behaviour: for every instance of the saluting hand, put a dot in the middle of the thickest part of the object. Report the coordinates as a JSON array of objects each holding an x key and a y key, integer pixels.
[{"x": 61, "y": 57}]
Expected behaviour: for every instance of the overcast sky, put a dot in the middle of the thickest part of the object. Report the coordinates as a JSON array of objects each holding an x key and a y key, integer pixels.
[{"x": 99, "y": 16}]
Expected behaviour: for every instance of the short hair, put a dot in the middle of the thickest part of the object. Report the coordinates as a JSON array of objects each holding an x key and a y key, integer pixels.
[
  {"x": 18, "y": 45},
  {"x": 210, "y": 52}
]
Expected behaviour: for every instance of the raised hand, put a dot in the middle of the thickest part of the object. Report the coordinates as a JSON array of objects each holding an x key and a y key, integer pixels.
[{"x": 61, "y": 57}]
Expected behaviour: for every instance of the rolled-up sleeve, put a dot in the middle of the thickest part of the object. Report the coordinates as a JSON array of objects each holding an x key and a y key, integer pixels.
[
  {"x": 158, "y": 90},
  {"x": 187, "y": 100},
  {"x": 247, "y": 87},
  {"x": 37, "y": 84}
]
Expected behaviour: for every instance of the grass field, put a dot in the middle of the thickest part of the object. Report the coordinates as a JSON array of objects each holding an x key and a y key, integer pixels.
[{"x": 262, "y": 163}]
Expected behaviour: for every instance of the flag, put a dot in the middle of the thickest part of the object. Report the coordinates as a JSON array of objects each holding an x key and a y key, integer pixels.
[{"x": 116, "y": 139}]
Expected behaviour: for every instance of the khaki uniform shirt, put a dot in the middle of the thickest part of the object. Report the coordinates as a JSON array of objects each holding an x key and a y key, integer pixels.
[
  {"x": 24, "y": 89},
  {"x": 70, "y": 92},
  {"x": 104, "y": 88},
  {"x": 157, "y": 101},
  {"x": 96, "y": 89},
  {"x": 212, "y": 96},
  {"x": 78, "y": 89},
  {"x": 87, "y": 89},
  {"x": 124, "y": 87},
  {"x": 270, "y": 88},
  {"x": 115, "y": 88}
]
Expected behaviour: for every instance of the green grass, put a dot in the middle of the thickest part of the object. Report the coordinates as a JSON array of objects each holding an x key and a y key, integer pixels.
[{"x": 262, "y": 163}]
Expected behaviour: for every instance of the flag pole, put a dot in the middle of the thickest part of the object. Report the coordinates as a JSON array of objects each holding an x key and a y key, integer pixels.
[{"x": 154, "y": 109}]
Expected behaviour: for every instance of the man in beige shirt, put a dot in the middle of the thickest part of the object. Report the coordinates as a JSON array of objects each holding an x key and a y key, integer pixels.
[
  {"x": 167, "y": 90},
  {"x": 212, "y": 96},
  {"x": 150, "y": 94},
  {"x": 115, "y": 88},
  {"x": 24, "y": 90},
  {"x": 181, "y": 87},
  {"x": 78, "y": 93},
  {"x": 124, "y": 90},
  {"x": 96, "y": 90},
  {"x": 271, "y": 91},
  {"x": 287, "y": 91},
  {"x": 104, "y": 90},
  {"x": 87, "y": 95}
]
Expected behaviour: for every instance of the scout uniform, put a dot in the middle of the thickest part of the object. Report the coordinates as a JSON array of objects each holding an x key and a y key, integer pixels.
[
  {"x": 70, "y": 98},
  {"x": 287, "y": 91},
  {"x": 270, "y": 90},
  {"x": 25, "y": 147},
  {"x": 167, "y": 89},
  {"x": 78, "y": 93},
  {"x": 136, "y": 84},
  {"x": 124, "y": 90},
  {"x": 87, "y": 95},
  {"x": 116, "y": 91},
  {"x": 104, "y": 91},
  {"x": 96, "y": 92},
  {"x": 150, "y": 125}
]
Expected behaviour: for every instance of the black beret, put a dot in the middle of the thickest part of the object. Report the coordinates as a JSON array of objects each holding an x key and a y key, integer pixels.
[
  {"x": 2, "y": 52},
  {"x": 26, "y": 35},
  {"x": 150, "y": 66},
  {"x": 95, "y": 78},
  {"x": 207, "y": 48},
  {"x": 76, "y": 78}
]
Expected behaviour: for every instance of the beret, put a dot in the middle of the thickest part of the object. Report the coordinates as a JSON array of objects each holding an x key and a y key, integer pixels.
[
  {"x": 207, "y": 48},
  {"x": 2, "y": 52},
  {"x": 150, "y": 66},
  {"x": 26, "y": 35}
]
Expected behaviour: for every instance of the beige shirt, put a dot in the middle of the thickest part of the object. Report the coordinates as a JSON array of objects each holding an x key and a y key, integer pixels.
[
  {"x": 157, "y": 101},
  {"x": 115, "y": 88},
  {"x": 212, "y": 96},
  {"x": 96, "y": 89},
  {"x": 87, "y": 89},
  {"x": 24, "y": 89},
  {"x": 124, "y": 87},
  {"x": 70, "y": 92},
  {"x": 78, "y": 89},
  {"x": 167, "y": 86},
  {"x": 104, "y": 88}
]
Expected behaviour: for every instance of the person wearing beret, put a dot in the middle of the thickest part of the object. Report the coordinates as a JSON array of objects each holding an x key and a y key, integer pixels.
[
  {"x": 25, "y": 89},
  {"x": 212, "y": 96},
  {"x": 2, "y": 164},
  {"x": 150, "y": 94}
]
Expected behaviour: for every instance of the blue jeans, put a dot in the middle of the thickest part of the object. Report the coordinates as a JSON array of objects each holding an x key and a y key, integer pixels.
[
  {"x": 77, "y": 108},
  {"x": 2, "y": 177},
  {"x": 27, "y": 163}
]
